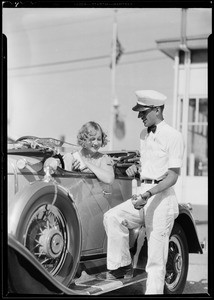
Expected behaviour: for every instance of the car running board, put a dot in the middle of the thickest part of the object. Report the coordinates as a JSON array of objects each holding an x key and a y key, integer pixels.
[
  {"x": 83, "y": 286},
  {"x": 91, "y": 285}
]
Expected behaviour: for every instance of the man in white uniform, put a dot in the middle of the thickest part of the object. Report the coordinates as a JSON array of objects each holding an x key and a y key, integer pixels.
[{"x": 155, "y": 205}]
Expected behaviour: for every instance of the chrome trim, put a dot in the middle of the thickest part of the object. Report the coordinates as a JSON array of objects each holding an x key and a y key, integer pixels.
[{"x": 16, "y": 185}]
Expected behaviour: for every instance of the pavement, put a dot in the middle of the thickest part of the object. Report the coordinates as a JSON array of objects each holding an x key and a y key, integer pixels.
[{"x": 197, "y": 278}]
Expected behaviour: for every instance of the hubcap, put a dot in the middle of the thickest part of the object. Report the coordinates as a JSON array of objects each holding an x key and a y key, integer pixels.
[
  {"x": 51, "y": 243},
  {"x": 178, "y": 262}
]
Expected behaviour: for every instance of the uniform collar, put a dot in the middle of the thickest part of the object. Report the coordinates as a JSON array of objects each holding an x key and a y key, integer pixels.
[{"x": 158, "y": 126}]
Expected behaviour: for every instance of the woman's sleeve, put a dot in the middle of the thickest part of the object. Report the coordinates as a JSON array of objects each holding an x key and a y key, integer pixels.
[{"x": 107, "y": 160}]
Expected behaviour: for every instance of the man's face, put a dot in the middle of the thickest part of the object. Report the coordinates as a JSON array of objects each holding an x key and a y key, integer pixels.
[{"x": 148, "y": 116}]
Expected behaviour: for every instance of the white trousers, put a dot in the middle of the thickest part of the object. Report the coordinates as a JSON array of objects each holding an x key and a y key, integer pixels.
[{"x": 158, "y": 218}]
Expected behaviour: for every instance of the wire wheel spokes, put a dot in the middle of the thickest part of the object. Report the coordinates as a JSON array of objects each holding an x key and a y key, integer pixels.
[
  {"x": 46, "y": 237},
  {"x": 174, "y": 263}
]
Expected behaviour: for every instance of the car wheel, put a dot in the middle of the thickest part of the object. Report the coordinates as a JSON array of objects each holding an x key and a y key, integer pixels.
[
  {"x": 178, "y": 261},
  {"x": 49, "y": 228}
]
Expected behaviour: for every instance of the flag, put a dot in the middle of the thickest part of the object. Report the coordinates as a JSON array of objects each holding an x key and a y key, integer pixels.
[
  {"x": 119, "y": 51},
  {"x": 119, "y": 126}
]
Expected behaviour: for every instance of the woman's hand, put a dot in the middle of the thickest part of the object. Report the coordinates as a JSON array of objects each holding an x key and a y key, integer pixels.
[{"x": 76, "y": 165}]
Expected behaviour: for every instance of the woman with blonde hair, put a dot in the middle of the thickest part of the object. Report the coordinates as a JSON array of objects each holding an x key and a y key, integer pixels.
[{"x": 91, "y": 138}]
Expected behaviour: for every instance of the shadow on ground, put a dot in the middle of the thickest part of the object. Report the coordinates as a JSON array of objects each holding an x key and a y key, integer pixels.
[{"x": 196, "y": 287}]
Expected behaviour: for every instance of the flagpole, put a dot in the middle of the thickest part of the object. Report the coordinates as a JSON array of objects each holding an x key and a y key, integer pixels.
[{"x": 113, "y": 80}]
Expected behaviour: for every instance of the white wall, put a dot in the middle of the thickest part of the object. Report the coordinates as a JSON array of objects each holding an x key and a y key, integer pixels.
[{"x": 192, "y": 189}]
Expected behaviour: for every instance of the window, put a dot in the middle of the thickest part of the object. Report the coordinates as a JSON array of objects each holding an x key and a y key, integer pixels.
[
  {"x": 197, "y": 56},
  {"x": 197, "y": 139}
]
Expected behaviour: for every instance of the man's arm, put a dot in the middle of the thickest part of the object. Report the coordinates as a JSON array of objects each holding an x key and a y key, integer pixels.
[{"x": 170, "y": 179}]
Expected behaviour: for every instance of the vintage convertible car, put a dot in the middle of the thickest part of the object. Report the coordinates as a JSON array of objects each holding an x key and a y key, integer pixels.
[{"x": 56, "y": 238}]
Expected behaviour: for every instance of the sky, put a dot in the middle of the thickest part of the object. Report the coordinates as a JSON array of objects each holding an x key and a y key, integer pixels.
[{"x": 58, "y": 67}]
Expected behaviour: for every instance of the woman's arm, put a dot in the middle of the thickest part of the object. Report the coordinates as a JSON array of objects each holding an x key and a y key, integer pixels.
[{"x": 104, "y": 172}]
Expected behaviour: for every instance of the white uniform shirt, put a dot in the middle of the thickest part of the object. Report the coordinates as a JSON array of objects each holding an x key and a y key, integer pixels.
[{"x": 160, "y": 151}]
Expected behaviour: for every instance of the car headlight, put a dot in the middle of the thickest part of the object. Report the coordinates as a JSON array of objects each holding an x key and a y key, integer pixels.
[
  {"x": 50, "y": 167},
  {"x": 21, "y": 163}
]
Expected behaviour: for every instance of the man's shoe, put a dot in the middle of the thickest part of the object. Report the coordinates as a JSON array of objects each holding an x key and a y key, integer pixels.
[
  {"x": 129, "y": 272},
  {"x": 125, "y": 272}
]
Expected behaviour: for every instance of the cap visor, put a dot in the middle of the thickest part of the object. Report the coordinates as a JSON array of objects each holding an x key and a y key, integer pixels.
[{"x": 139, "y": 107}]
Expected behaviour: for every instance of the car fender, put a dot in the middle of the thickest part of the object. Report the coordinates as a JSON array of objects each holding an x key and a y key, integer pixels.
[
  {"x": 21, "y": 200},
  {"x": 186, "y": 221},
  {"x": 24, "y": 201}
]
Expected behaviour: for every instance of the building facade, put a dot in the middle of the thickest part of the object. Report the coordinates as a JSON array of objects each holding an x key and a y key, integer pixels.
[{"x": 190, "y": 113}]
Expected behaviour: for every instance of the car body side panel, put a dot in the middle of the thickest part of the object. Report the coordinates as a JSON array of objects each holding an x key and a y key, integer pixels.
[
  {"x": 88, "y": 197},
  {"x": 93, "y": 198}
]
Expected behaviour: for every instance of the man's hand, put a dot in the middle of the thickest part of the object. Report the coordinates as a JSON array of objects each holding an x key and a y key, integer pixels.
[
  {"x": 132, "y": 170},
  {"x": 139, "y": 201}
]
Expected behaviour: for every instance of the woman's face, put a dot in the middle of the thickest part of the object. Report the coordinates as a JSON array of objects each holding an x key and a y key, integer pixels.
[{"x": 95, "y": 142}]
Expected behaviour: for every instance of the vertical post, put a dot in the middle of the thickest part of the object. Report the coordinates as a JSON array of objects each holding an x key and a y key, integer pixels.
[
  {"x": 175, "y": 96},
  {"x": 113, "y": 81},
  {"x": 186, "y": 108},
  {"x": 187, "y": 57}
]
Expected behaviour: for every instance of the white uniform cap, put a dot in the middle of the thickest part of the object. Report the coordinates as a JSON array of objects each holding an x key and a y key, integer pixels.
[{"x": 147, "y": 99}]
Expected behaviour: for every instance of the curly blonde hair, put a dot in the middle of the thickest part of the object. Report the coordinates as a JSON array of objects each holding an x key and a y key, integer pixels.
[{"x": 87, "y": 131}]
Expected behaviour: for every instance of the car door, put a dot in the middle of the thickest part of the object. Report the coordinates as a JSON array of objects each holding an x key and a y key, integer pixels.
[{"x": 93, "y": 199}]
